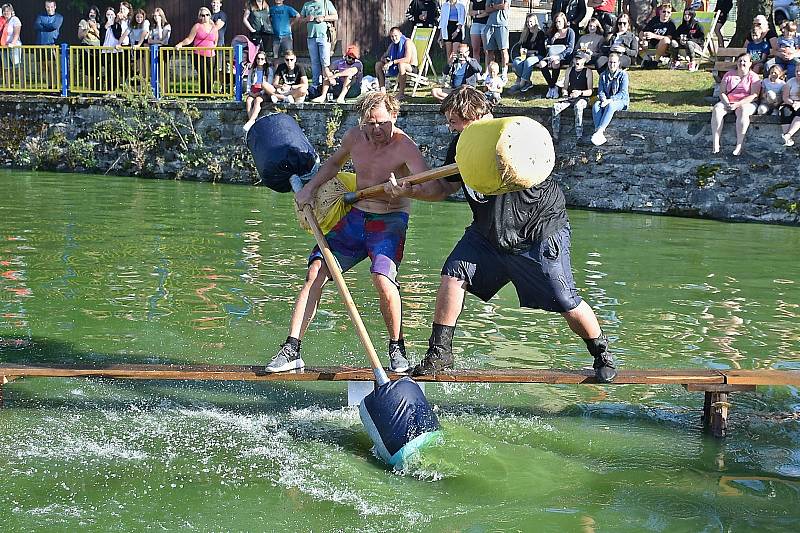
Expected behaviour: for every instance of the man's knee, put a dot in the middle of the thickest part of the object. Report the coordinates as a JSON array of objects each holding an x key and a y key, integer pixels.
[{"x": 317, "y": 273}]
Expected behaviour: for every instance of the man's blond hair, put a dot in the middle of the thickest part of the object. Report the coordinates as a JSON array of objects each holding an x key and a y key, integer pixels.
[{"x": 374, "y": 99}]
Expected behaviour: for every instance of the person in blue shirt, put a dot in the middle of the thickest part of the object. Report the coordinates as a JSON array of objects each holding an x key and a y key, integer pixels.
[
  {"x": 281, "y": 17},
  {"x": 612, "y": 96},
  {"x": 48, "y": 25}
]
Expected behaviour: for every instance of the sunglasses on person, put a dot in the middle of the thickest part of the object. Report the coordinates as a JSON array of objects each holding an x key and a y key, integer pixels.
[
  {"x": 261, "y": 58},
  {"x": 622, "y": 23},
  {"x": 205, "y": 14}
]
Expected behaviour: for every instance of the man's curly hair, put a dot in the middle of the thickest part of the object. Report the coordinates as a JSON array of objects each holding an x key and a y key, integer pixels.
[{"x": 467, "y": 102}]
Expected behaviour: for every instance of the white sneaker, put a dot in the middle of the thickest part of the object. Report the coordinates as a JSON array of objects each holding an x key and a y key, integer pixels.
[
  {"x": 274, "y": 98},
  {"x": 787, "y": 141},
  {"x": 248, "y": 125},
  {"x": 598, "y": 138}
]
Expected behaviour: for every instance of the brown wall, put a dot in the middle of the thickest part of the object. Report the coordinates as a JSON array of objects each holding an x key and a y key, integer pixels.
[{"x": 365, "y": 22}]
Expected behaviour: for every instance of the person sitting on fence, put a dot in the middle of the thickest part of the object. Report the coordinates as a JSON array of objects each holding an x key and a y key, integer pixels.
[
  {"x": 317, "y": 14},
  {"x": 690, "y": 37},
  {"x": 612, "y": 96},
  {"x": 343, "y": 78},
  {"x": 771, "y": 94},
  {"x": 451, "y": 25},
  {"x": 48, "y": 25},
  {"x": 257, "y": 22},
  {"x": 739, "y": 89},
  {"x": 591, "y": 41},
  {"x": 89, "y": 28},
  {"x": 464, "y": 70},
  {"x": 623, "y": 42},
  {"x": 160, "y": 30},
  {"x": 282, "y": 16},
  {"x": 788, "y": 53},
  {"x": 658, "y": 34},
  {"x": 204, "y": 37},
  {"x": 494, "y": 84},
  {"x": 423, "y": 13},
  {"x": 139, "y": 29},
  {"x": 258, "y": 86},
  {"x": 560, "y": 49},
  {"x": 291, "y": 81},
  {"x": 578, "y": 85},
  {"x": 531, "y": 51},
  {"x": 398, "y": 60},
  {"x": 11, "y": 37},
  {"x": 789, "y": 112}
]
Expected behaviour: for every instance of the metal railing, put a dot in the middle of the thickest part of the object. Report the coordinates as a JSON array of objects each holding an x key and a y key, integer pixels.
[
  {"x": 30, "y": 69},
  {"x": 96, "y": 70},
  {"x": 192, "y": 71},
  {"x": 103, "y": 69}
]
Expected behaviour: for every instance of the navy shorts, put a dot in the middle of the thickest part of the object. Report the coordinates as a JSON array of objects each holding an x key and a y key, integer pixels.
[{"x": 542, "y": 276}]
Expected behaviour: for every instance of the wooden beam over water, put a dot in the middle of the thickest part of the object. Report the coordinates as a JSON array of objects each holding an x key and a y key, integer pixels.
[{"x": 694, "y": 377}]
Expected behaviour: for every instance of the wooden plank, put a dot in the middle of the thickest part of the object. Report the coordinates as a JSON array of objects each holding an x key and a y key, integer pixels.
[
  {"x": 716, "y": 387},
  {"x": 762, "y": 377},
  {"x": 257, "y": 373}
]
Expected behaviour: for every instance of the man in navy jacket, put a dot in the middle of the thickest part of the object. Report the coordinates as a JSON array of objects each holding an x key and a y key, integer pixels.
[{"x": 48, "y": 25}]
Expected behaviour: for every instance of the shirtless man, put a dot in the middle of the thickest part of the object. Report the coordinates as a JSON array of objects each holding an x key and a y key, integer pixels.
[{"x": 374, "y": 228}]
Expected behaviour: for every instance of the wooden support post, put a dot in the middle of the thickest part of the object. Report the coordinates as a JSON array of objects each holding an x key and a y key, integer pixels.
[
  {"x": 715, "y": 405},
  {"x": 719, "y": 413}
]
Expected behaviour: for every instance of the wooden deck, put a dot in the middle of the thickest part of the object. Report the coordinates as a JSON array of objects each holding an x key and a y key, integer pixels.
[{"x": 716, "y": 384}]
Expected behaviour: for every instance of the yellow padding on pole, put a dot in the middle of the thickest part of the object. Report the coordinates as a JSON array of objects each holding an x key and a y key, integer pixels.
[
  {"x": 328, "y": 205},
  {"x": 502, "y": 155}
]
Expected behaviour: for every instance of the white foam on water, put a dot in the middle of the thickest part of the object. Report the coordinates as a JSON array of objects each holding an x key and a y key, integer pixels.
[{"x": 55, "y": 509}]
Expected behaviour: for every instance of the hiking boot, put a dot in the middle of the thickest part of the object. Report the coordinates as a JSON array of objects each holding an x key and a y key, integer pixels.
[
  {"x": 287, "y": 358},
  {"x": 437, "y": 359},
  {"x": 398, "y": 361},
  {"x": 604, "y": 370}
]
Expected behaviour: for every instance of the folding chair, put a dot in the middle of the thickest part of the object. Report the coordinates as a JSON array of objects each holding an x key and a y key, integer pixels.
[{"x": 422, "y": 38}]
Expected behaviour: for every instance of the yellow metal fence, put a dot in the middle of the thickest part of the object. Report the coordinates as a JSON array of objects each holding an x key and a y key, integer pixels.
[
  {"x": 103, "y": 69},
  {"x": 188, "y": 71},
  {"x": 30, "y": 69},
  {"x": 168, "y": 71}
]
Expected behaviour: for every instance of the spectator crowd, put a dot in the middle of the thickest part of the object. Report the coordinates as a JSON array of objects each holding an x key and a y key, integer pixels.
[{"x": 567, "y": 48}]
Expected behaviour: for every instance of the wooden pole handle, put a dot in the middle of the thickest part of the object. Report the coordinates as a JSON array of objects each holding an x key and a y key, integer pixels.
[
  {"x": 414, "y": 179},
  {"x": 338, "y": 279}
]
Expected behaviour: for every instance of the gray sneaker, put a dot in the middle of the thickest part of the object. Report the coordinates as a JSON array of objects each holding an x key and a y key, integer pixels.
[
  {"x": 398, "y": 362},
  {"x": 286, "y": 359}
]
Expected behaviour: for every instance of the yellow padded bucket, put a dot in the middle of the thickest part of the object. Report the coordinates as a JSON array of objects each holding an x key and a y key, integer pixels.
[
  {"x": 501, "y": 155},
  {"x": 329, "y": 207}
]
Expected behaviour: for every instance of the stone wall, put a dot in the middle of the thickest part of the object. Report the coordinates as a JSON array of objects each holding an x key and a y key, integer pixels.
[{"x": 656, "y": 163}]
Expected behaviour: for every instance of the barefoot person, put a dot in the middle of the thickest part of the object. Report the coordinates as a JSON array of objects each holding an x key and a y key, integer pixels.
[
  {"x": 374, "y": 228},
  {"x": 520, "y": 237}
]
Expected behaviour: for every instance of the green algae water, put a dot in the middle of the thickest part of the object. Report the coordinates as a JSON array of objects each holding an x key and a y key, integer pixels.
[{"x": 98, "y": 270}]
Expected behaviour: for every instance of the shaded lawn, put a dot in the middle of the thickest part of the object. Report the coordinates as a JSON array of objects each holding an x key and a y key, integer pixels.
[{"x": 661, "y": 90}]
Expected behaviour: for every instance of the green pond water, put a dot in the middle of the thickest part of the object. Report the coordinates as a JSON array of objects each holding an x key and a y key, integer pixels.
[{"x": 96, "y": 270}]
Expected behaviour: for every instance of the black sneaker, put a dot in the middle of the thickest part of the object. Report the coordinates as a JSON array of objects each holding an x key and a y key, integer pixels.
[
  {"x": 604, "y": 370},
  {"x": 287, "y": 358},
  {"x": 398, "y": 362},
  {"x": 436, "y": 360}
]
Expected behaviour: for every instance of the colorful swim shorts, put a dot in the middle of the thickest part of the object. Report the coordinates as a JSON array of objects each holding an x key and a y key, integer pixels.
[{"x": 359, "y": 235}]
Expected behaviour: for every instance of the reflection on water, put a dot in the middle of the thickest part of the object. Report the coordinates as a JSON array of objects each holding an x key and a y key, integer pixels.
[{"x": 101, "y": 270}]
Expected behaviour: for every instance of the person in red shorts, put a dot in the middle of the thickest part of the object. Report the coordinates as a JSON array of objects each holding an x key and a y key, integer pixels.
[{"x": 374, "y": 227}]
